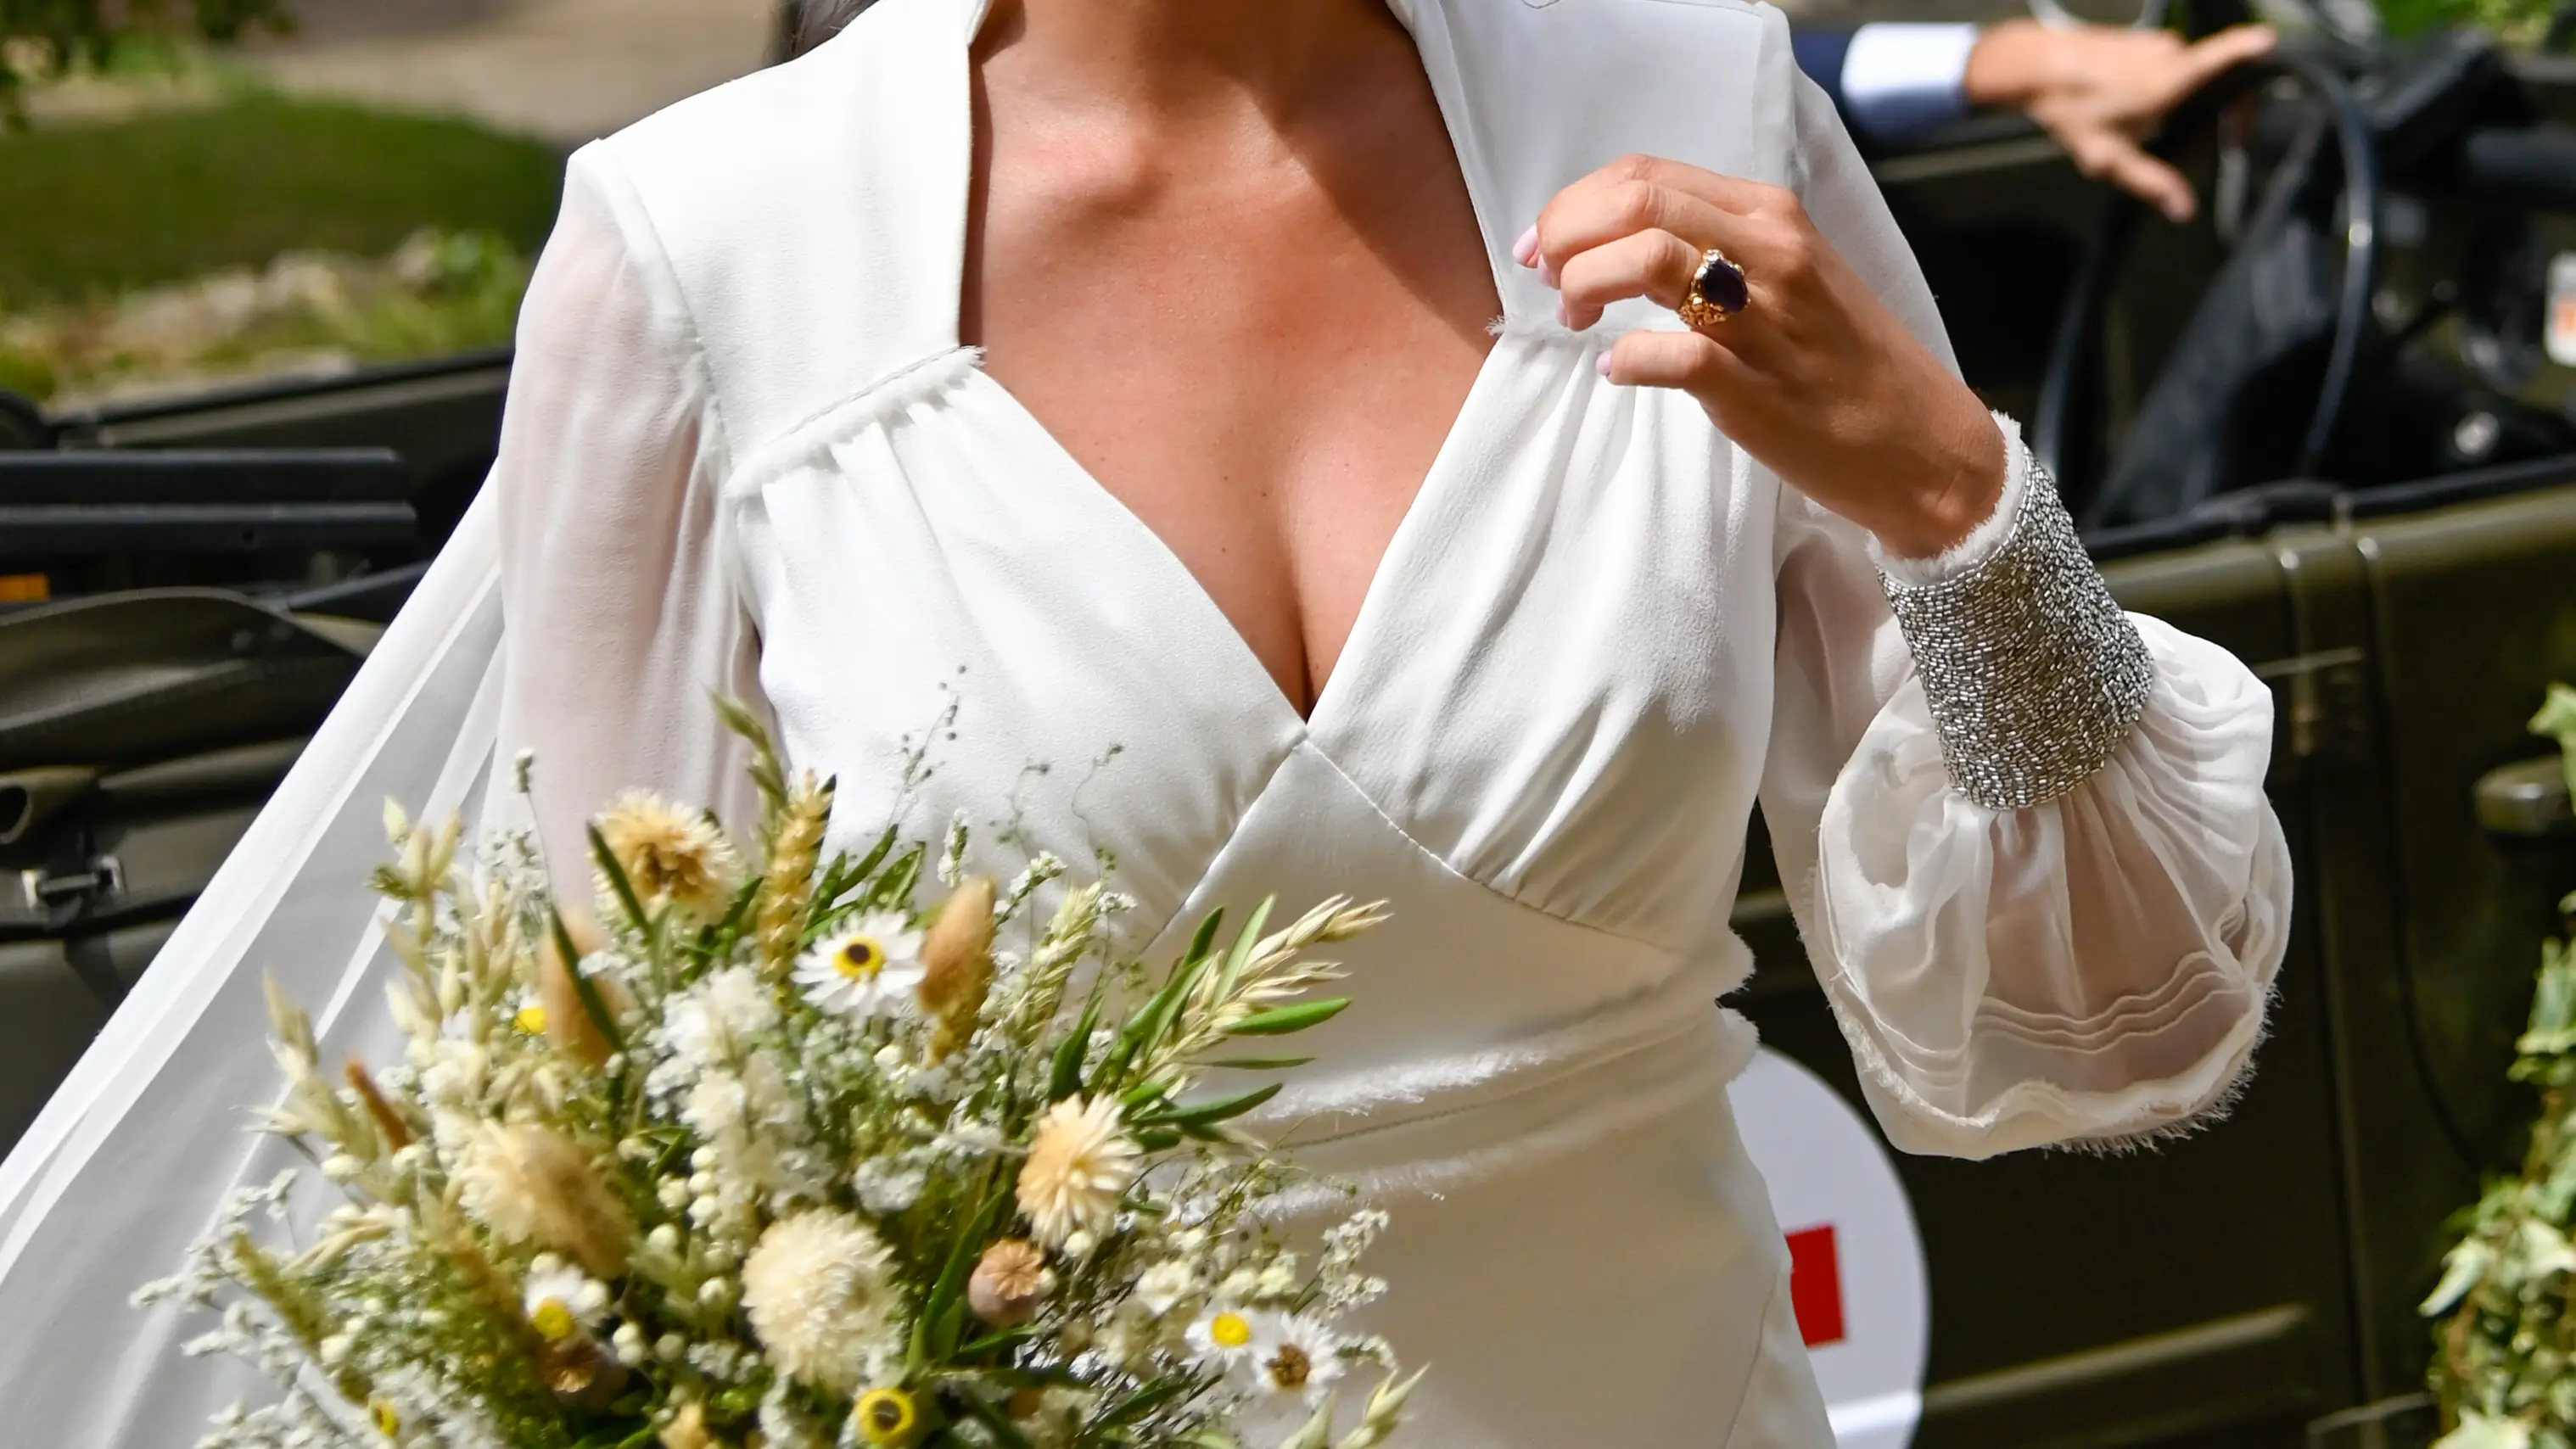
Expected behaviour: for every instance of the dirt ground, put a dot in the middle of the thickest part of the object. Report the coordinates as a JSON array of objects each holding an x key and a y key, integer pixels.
[{"x": 567, "y": 70}]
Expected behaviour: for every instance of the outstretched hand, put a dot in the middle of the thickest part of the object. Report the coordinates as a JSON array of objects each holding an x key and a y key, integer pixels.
[
  {"x": 2100, "y": 90},
  {"x": 1814, "y": 377}
]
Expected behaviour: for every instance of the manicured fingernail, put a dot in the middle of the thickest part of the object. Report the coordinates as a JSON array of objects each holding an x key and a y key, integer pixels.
[
  {"x": 1564, "y": 318},
  {"x": 1547, "y": 271},
  {"x": 1525, "y": 251},
  {"x": 1603, "y": 362}
]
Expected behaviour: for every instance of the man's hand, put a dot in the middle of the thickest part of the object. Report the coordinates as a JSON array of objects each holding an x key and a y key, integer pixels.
[{"x": 2100, "y": 90}]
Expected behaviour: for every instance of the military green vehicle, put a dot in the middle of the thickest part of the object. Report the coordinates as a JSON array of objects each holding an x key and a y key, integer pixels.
[{"x": 2328, "y": 428}]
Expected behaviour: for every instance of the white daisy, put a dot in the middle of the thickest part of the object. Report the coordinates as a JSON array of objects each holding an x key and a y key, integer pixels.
[
  {"x": 1223, "y": 1336},
  {"x": 1295, "y": 1354},
  {"x": 562, "y": 1301},
  {"x": 872, "y": 969}
]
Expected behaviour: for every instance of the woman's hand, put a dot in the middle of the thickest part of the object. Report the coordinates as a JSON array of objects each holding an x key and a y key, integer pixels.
[
  {"x": 2099, "y": 90},
  {"x": 1814, "y": 377}
]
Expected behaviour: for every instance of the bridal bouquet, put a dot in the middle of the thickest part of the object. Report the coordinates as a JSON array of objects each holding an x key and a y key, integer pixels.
[{"x": 776, "y": 1158}]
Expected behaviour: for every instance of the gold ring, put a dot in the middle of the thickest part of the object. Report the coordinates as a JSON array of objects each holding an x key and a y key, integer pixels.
[{"x": 1717, "y": 291}]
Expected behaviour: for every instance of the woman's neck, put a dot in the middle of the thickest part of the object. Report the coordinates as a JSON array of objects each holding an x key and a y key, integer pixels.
[{"x": 1172, "y": 56}]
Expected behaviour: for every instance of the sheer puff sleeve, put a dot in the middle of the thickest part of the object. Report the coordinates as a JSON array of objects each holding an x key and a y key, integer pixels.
[
  {"x": 2089, "y": 970},
  {"x": 620, "y": 615}
]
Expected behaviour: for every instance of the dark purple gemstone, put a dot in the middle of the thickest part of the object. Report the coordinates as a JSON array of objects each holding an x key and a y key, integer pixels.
[{"x": 1721, "y": 285}]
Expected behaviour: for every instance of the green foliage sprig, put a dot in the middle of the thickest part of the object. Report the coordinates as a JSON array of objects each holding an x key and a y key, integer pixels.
[
  {"x": 41, "y": 39},
  {"x": 2506, "y": 1370}
]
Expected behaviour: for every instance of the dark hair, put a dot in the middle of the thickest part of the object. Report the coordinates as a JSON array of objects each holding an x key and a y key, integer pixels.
[{"x": 808, "y": 23}]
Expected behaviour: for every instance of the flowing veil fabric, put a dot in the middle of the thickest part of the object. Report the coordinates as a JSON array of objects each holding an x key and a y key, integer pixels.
[{"x": 127, "y": 1164}]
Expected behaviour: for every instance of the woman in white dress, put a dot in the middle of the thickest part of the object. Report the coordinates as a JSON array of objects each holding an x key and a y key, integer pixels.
[{"x": 1106, "y": 386}]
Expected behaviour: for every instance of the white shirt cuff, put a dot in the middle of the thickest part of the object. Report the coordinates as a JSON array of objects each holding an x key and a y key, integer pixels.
[{"x": 1900, "y": 77}]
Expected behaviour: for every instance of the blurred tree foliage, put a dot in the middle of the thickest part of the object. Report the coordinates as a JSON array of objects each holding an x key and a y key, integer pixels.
[
  {"x": 2517, "y": 22},
  {"x": 40, "y": 39}
]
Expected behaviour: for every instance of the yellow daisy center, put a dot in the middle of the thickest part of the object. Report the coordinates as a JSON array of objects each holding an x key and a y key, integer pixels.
[
  {"x": 553, "y": 1319},
  {"x": 860, "y": 958},
  {"x": 388, "y": 1423},
  {"x": 1230, "y": 1330},
  {"x": 531, "y": 1019},
  {"x": 886, "y": 1416}
]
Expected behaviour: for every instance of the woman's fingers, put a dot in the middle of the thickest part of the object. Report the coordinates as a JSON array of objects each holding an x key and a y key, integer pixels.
[
  {"x": 1653, "y": 264},
  {"x": 1691, "y": 361},
  {"x": 1645, "y": 193}
]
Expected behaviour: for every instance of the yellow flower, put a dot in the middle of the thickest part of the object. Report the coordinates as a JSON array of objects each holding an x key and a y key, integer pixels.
[
  {"x": 1079, "y": 1162},
  {"x": 1221, "y": 1336},
  {"x": 887, "y": 1417},
  {"x": 388, "y": 1422},
  {"x": 671, "y": 856},
  {"x": 531, "y": 1020}
]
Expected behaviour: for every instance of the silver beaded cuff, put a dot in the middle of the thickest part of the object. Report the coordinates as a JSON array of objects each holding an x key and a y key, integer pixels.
[{"x": 2034, "y": 675}]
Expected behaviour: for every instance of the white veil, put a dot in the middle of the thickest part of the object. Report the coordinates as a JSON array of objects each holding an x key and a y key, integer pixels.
[{"x": 136, "y": 1152}]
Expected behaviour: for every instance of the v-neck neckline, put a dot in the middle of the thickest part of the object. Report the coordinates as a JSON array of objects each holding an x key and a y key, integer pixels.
[{"x": 1389, "y": 578}]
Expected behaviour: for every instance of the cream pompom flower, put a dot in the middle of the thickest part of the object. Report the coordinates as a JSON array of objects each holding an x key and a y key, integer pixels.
[
  {"x": 816, "y": 1290},
  {"x": 530, "y": 1184},
  {"x": 1080, "y": 1161},
  {"x": 872, "y": 969},
  {"x": 671, "y": 856}
]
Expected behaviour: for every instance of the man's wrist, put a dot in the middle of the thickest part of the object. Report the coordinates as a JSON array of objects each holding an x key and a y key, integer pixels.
[{"x": 2008, "y": 64}]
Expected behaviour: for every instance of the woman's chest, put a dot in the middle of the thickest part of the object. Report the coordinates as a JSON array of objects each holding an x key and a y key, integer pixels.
[
  {"x": 1253, "y": 336},
  {"x": 1557, "y": 684}
]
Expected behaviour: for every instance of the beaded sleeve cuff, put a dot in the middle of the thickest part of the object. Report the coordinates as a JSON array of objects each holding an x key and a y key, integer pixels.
[{"x": 2034, "y": 675}]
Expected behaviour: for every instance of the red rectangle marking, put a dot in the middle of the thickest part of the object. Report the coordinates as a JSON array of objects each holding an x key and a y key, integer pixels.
[{"x": 1816, "y": 1285}]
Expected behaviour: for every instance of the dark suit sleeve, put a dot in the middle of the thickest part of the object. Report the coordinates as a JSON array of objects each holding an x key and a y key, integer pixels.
[{"x": 1820, "y": 54}]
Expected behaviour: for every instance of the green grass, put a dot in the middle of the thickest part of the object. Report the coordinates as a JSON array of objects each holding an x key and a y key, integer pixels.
[{"x": 97, "y": 208}]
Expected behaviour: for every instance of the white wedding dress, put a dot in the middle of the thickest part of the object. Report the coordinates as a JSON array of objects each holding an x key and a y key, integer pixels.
[{"x": 745, "y": 450}]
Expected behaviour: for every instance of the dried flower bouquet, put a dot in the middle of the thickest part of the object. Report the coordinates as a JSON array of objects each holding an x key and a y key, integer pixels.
[{"x": 776, "y": 1159}]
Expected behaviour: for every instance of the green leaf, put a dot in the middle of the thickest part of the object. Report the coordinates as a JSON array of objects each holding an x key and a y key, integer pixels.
[
  {"x": 1158, "y": 1139},
  {"x": 1280, "y": 1021},
  {"x": 977, "y": 1408},
  {"x": 867, "y": 864},
  {"x": 618, "y": 884},
  {"x": 1066, "y": 1079},
  {"x": 962, "y": 1253},
  {"x": 1142, "y": 1096},
  {"x": 1257, "y": 1064},
  {"x": 996, "y": 1342},
  {"x": 1222, "y": 1109},
  {"x": 951, "y": 1327},
  {"x": 1145, "y": 1401},
  {"x": 592, "y": 1004},
  {"x": 1206, "y": 936},
  {"x": 2462, "y": 1267},
  {"x": 1112, "y": 1067},
  {"x": 894, "y": 888},
  {"x": 1241, "y": 955}
]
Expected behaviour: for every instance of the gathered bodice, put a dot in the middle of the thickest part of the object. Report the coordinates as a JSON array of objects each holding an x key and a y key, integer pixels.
[{"x": 746, "y": 451}]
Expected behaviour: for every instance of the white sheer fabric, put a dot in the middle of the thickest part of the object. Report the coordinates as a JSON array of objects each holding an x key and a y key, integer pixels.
[{"x": 744, "y": 451}]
